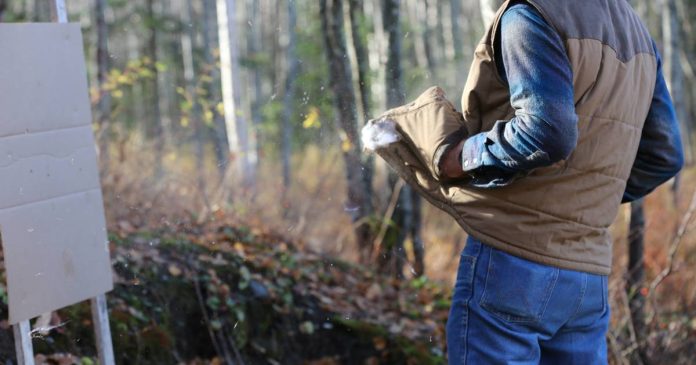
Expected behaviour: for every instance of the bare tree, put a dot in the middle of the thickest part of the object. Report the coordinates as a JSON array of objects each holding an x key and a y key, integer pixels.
[
  {"x": 671, "y": 31},
  {"x": 219, "y": 134},
  {"x": 155, "y": 129},
  {"x": 254, "y": 47},
  {"x": 636, "y": 275},
  {"x": 407, "y": 212},
  {"x": 190, "y": 77},
  {"x": 289, "y": 97},
  {"x": 415, "y": 20},
  {"x": 457, "y": 30},
  {"x": 488, "y": 10},
  {"x": 428, "y": 13},
  {"x": 356, "y": 15},
  {"x": 104, "y": 107},
  {"x": 41, "y": 10},
  {"x": 358, "y": 204},
  {"x": 635, "y": 279},
  {"x": 237, "y": 127}
]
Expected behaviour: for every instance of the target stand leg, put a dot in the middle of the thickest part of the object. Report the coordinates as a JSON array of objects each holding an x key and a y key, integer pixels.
[
  {"x": 100, "y": 318},
  {"x": 23, "y": 347}
]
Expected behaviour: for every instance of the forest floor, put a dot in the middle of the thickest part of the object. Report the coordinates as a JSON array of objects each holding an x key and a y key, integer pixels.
[
  {"x": 209, "y": 293},
  {"x": 272, "y": 279}
]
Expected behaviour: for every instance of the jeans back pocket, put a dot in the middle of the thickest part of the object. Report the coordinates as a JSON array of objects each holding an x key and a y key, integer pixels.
[{"x": 517, "y": 290}]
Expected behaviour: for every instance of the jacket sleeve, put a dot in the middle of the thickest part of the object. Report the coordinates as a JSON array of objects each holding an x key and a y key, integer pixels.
[
  {"x": 660, "y": 154},
  {"x": 540, "y": 79}
]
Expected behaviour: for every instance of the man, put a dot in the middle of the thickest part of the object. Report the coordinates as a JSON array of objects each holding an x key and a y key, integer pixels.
[{"x": 567, "y": 115}]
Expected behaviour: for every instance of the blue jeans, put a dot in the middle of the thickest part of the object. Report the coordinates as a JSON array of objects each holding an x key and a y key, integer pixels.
[{"x": 507, "y": 310}]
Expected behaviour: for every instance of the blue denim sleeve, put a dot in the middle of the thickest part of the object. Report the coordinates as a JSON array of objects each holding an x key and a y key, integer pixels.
[
  {"x": 660, "y": 153},
  {"x": 540, "y": 79}
]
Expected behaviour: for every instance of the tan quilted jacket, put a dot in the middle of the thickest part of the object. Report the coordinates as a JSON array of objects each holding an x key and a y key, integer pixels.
[{"x": 557, "y": 215}]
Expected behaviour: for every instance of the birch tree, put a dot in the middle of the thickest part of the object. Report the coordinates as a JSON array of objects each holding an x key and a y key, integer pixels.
[
  {"x": 219, "y": 133},
  {"x": 236, "y": 125},
  {"x": 488, "y": 10}
]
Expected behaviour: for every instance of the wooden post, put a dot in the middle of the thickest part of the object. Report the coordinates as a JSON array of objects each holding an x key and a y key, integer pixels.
[{"x": 23, "y": 347}]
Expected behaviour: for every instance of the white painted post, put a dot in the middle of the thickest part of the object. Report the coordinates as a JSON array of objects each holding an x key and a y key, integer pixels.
[
  {"x": 100, "y": 313},
  {"x": 59, "y": 13},
  {"x": 102, "y": 330},
  {"x": 23, "y": 347}
]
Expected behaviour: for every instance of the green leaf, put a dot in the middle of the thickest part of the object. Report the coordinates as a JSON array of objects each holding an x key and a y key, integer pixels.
[
  {"x": 216, "y": 324},
  {"x": 245, "y": 277},
  {"x": 213, "y": 303},
  {"x": 307, "y": 327}
]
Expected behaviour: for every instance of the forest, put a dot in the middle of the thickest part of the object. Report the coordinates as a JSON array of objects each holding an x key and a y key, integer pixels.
[{"x": 247, "y": 225}]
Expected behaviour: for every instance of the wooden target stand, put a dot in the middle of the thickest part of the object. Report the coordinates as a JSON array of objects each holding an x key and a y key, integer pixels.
[{"x": 100, "y": 314}]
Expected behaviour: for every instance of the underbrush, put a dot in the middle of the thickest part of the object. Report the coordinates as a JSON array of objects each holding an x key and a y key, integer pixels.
[
  {"x": 170, "y": 232},
  {"x": 218, "y": 293}
]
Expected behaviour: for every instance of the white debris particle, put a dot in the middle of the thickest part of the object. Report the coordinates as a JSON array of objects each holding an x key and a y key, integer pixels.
[{"x": 379, "y": 134}]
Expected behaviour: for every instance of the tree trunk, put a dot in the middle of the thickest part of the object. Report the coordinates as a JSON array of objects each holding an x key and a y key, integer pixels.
[
  {"x": 413, "y": 13},
  {"x": 187, "y": 39},
  {"x": 155, "y": 129},
  {"x": 289, "y": 97},
  {"x": 392, "y": 28},
  {"x": 377, "y": 51},
  {"x": 636, "y": 276},
  {"x": 674, "y": 73},
  {"x": 416, "y": 237},
  {"x": 406, "y": 217},
  {"x": 41, "y": 11},
  {"x": 170, "y": 46},
  {"x": 488, "y": 10},
  {"x": 344, "y": 99},
  {"x": 456, "y": 19},
  {"x": 356, "y": 16},
  {"x": 255, "y": 42},
  {"x": 236, "y": 125},
  {"x": 3, "y": 6},
  {"x": 104, "y": 106},
  {"x": 219, "y": 134},
  {"x": 428, "y": 13}
]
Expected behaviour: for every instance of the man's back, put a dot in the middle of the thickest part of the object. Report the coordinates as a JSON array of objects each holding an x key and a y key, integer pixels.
[
  {"x": 565, "y": 115},
  {"x": 594, "y": 81}
]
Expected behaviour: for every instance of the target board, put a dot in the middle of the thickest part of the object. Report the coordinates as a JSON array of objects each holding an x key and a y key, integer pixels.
[{"x": 51, "y": 210}]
